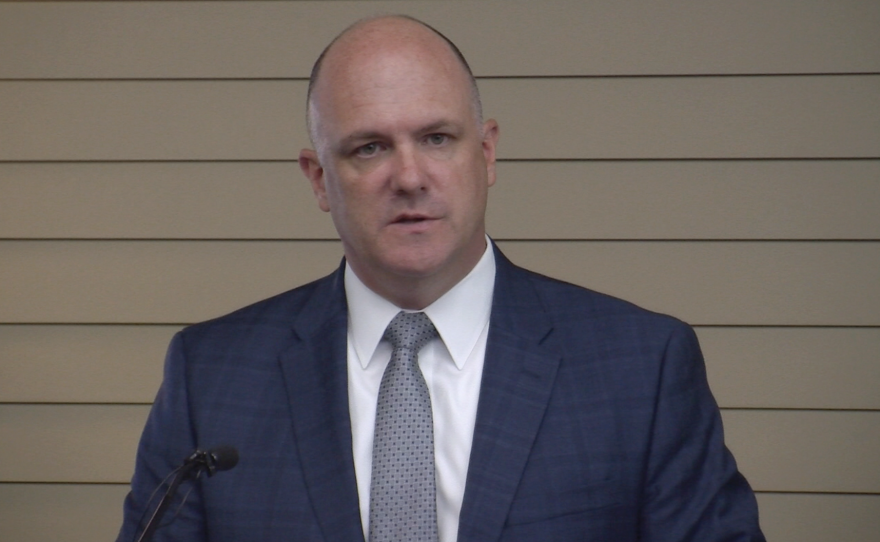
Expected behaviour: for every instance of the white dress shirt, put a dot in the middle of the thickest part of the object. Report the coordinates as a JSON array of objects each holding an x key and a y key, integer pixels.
[{"x": 452, "y": 366}]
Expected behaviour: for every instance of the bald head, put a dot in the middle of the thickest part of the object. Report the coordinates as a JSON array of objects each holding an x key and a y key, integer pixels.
[{"x": 378, "y": 35}]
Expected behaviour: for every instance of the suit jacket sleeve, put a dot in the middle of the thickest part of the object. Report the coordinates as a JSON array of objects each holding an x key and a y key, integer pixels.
[
  {"x": 167, "y": 440},
  {"x": 693, "y": 490}
]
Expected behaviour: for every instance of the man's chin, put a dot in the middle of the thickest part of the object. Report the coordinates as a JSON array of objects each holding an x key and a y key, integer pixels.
[
  {"x": 415, "y": 269},
  {"x": 427, "y": 258}
]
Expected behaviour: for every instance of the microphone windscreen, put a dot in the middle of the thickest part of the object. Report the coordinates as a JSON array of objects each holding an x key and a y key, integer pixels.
[{"x": 225, "y": 457}]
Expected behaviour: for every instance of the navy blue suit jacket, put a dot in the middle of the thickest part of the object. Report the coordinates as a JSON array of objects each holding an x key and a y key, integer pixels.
[{"x": 595, "y": 423}]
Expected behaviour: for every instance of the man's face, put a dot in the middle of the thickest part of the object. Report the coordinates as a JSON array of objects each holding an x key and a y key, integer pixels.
[{"x": 402, "y": 164}]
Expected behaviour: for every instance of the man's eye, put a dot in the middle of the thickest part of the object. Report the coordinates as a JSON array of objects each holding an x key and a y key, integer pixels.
[
  {"x": 437, "y": 139},
  {"x": 367, "y": 150}
]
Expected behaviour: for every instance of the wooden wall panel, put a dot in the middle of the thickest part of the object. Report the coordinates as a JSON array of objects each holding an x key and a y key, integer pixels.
[
  {"x": 806, "y": 451},
  {"x": 282, "y": 39},
  {"x": 809, "y": 368},
  {"x": 73, "y": 513},
  {"x": 69, "y": 443},
  {"x": 777, "y": 450},
  {"x": 677, "y": 117},
  {"x": 184, "y": 200},
  {"x": 704, "y": 283},
  {"x": 150, "y": 281},
  {"x": 82, "y": 364},
  {"x": 810, "y": 199},
  {"x": 820, "y": 518},
  {"x": 812, "y": 368},
  {"x": 161, "y": 120},
  {"x": 686, "y": 200},
  {"x": 704, "y": 117}
]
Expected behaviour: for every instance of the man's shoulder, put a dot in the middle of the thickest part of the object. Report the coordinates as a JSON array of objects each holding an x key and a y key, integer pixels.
[
  {"x": 623, "y": 337},
  {"x": 565, "y": 302},
  {"x": 277, "y": 313}
]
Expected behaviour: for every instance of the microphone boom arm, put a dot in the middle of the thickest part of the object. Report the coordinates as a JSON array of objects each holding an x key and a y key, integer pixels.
[{"x": 219, "y": 459}]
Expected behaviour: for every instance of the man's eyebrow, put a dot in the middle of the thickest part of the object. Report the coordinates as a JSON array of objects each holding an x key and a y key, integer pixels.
[
  {"x": 440, "y": 125},
  {"x": 360, "y": 136}
]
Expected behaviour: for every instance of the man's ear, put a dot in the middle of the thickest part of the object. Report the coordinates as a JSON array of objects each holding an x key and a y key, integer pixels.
[
  {"x": 490, "y": 142},
  {"x": 311, "y": 168}
]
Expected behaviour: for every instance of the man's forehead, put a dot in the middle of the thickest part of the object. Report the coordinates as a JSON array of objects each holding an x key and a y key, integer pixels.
[{"x": 387, "y": 52}]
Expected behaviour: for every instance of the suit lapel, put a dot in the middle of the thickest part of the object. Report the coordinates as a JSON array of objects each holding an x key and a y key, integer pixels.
[
  {"x": 315, "y": 374},
  {"x": 518, "y": 377}
]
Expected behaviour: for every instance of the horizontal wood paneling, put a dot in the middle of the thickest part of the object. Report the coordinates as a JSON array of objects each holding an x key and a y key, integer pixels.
[
  {"x": 150, "y": 281},
  {"x": 36, "y": 513},
  {"x": 718, "y": 283},
  {"x": 686, "y": 200},
  {"x": 811, "y": 368},
  {"x": 820, "y": 518},
  {"x": 750, "y": 283},
  {"x": 231, "y": 200},
  {"x": 781, "y": 450},
  {"x": 705, "y": 117},
  {"x": 816, "y": 451},
  {"x": 282, "y": 39},
  {"x": 165, "y": 120},
  {"x": 82, "y": 364},
  {"x": 69, "y": 443},
  {"x": 708, "y": 117},
  {"x": 532, "y": 200},
  {"x": 73, "y": 513}
]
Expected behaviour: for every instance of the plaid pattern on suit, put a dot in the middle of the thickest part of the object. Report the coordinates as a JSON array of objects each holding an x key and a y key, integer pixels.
[{"x": 595, "y": 423}]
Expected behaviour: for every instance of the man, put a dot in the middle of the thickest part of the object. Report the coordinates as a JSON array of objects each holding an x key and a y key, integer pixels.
[{"x": 557, "y": 413}]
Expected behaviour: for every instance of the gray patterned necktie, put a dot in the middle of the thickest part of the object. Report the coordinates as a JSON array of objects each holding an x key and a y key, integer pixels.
[{"x": 403, "y": 502}]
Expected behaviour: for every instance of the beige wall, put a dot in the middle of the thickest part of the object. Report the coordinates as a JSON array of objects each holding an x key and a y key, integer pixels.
[{"x": 719, "y": 161}]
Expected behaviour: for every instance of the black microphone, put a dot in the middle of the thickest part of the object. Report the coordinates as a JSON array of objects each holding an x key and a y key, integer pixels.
[{"x": 216, "y": 459}]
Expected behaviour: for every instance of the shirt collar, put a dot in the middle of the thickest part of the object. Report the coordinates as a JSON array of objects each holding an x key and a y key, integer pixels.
[{"x": 460, "y": 315}]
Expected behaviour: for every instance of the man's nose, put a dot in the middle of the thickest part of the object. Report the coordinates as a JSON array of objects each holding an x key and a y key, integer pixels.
[{"x": 409, "y": 172}]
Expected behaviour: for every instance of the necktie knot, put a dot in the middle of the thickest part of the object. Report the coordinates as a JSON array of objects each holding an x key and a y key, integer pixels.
[{"x": 410, "y": 330}]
